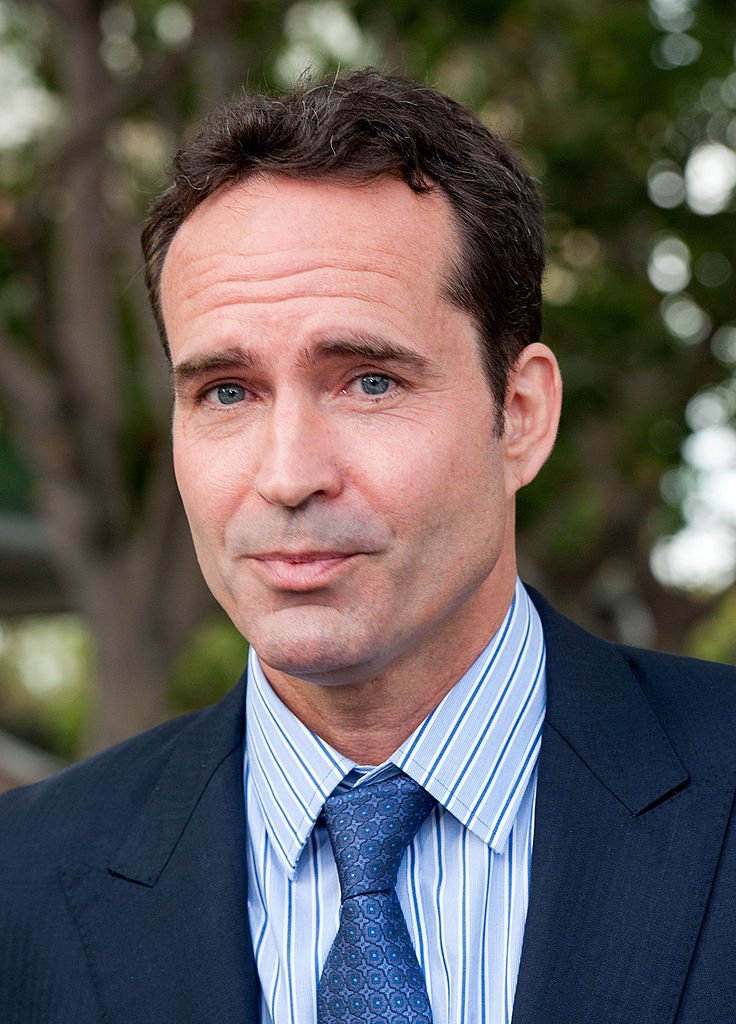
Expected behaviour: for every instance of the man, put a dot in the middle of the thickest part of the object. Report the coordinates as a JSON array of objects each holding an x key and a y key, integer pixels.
[{"x": 347, "y": 282}]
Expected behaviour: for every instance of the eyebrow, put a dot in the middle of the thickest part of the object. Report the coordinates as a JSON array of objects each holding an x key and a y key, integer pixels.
[
  {"x": 362, "y": 346},
  {"x": 232, "y": 358}
]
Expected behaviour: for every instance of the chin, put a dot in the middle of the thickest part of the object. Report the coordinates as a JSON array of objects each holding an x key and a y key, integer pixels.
[{"x": 311, "y": 646}]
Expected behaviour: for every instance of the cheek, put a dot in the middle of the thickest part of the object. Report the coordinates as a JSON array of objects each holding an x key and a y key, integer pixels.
[
  {"x": 211, "y": 488},
  {"x": 414, "y": 490},
  {"x": 454, "y": 503},
  {"x": 436, "y": 473}
]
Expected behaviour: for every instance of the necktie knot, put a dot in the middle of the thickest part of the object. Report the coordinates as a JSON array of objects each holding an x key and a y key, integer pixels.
[{"x": 370, "y": 828}]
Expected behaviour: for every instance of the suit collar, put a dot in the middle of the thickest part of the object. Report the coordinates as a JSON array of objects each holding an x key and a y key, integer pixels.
[
  {"x": 594, "y": 702},
  {"x": 164, "y": 923},
  {"x": 188, "y": 764}
]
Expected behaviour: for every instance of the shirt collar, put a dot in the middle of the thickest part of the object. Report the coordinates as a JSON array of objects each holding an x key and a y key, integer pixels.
[
  {"x": 475, "y": 753},
  {"x": 292, "y": 770}
]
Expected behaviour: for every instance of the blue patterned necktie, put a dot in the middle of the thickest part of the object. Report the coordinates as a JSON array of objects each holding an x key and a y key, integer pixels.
[{"x": 371, "y": 974}]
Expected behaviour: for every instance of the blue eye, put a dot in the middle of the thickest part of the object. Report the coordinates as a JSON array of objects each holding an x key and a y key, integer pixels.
[
  {"x": 229, "y": 394},
  {"x": 375, "y": 384}
]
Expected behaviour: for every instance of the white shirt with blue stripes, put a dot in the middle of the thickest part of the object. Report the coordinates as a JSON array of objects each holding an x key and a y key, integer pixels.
[{"x": 464, "y": 882}]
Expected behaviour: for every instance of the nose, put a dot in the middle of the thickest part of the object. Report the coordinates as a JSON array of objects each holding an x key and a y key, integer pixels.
[{"x": 298, "y": 457}]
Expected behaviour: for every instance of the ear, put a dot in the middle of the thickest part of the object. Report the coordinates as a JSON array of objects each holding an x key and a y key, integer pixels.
[{"x": 531, "y": 414}]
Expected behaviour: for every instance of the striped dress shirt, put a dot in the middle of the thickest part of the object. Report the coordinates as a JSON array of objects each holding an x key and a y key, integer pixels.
[{"x": 463, "y": 884}]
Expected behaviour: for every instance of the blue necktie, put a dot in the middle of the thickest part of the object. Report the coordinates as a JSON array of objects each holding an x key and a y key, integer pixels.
[{"x": 371, "y": 974}]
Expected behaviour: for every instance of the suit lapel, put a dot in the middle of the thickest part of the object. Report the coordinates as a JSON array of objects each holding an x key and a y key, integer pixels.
[
  {"x": 164, "y": 922},
  {"x": 625, "y": 848}
]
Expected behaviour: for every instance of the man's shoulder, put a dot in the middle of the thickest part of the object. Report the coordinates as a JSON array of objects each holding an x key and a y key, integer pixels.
[
  {"x": 680, "y": 667},
  {"x": 75, "y": 807},
  {"x": 667, "y": 668},
  {"x": 693, "y": 700},
  {"x": 85, "y": 809}
]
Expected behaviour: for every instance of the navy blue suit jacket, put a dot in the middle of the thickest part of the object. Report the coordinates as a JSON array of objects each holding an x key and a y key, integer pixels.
[{"x": 123, "y": 888}]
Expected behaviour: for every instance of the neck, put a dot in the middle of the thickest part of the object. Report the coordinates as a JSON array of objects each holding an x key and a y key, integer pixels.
[
  {"x": 365, "y": 722},
  {"x": 368, "y": 721}
]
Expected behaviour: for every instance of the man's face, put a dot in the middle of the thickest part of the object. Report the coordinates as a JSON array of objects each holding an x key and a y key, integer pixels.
[{"x": 334, "y": 435}]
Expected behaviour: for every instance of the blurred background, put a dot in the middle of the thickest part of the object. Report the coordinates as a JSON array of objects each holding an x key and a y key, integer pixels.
[{"x": 627, "y": 114}]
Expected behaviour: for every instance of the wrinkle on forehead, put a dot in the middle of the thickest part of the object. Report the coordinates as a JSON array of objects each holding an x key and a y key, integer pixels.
[
  {"x": 231, "y": 300},
  {"x": 321, "y": 276},
  {"x": 244, "y": 214},
  {"x": 238, "y": 297}
]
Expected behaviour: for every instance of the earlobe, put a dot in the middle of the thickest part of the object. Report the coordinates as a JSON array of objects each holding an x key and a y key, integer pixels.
[{"x": 532, "y": 413}]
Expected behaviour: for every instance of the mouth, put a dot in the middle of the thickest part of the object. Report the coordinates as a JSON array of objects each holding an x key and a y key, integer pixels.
[{"x": 301, "y": 571}]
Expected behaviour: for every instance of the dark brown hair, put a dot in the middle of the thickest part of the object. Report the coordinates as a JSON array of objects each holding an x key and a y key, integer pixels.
[{"x": 355, "y": 128}]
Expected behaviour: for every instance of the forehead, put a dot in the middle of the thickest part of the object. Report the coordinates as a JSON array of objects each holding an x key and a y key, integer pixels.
[
  {"x": 273, "y": 229},
  {"x": 384, "y": 208}
]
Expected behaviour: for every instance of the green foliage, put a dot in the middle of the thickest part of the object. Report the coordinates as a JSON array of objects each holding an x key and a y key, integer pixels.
[
  {"x": 715, "y": 637},
  {"x": 15, "y": 480},
  {"x": 47, "y": 676},
  {"x": 209, "y": 666},
  {"x": 46, "y": 686}
]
